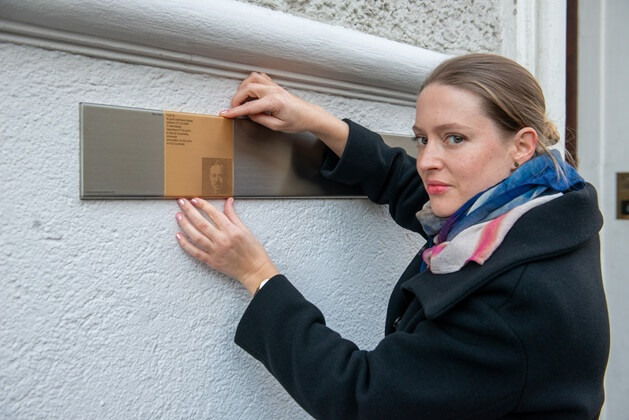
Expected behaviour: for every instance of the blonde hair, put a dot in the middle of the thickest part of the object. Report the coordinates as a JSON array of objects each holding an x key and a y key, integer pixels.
[{"x": 510, "y": 94}]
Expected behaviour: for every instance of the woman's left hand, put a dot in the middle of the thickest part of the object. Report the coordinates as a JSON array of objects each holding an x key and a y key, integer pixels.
[{"x": 223, "y": 242}]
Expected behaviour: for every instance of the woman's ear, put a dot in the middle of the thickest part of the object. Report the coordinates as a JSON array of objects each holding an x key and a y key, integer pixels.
[{"x": 524, "y": 145}]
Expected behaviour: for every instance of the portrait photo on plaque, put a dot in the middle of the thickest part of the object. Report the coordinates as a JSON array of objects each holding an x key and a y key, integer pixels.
[{"x": 217, "y": 176}]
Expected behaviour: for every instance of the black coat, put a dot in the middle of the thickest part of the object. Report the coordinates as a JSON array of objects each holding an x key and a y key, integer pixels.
[{"x": 525, "y": 335}]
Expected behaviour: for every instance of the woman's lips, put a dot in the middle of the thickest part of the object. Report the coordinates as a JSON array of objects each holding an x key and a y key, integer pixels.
[{"x": 435, "y": 188}]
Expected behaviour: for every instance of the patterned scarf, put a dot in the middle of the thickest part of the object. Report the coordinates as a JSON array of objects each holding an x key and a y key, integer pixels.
[{"x": 476, "y": 229}]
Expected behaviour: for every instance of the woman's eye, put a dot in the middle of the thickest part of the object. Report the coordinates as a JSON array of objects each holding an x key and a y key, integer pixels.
[
  {"x": 421, "y": 140},
  {"x": 454, "y": 139}
]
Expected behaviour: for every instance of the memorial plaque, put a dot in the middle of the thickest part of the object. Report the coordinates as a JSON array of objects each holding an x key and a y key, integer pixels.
[{"x": 143, "y": 153}]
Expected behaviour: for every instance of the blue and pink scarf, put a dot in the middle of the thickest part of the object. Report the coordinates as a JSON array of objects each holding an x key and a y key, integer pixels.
[{"x": 476, "y": 229}]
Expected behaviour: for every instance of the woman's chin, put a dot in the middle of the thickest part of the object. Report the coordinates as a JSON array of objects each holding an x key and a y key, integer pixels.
[
  {"x": 442, "y": 213},
  {"x": 441, "y": 209}
]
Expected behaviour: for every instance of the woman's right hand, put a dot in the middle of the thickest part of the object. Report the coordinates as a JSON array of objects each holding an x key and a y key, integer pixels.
[{"x": 268, "y": 104}]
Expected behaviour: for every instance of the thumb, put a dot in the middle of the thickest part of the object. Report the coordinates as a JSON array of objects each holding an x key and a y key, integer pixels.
[{"x": 230, "y": 212}]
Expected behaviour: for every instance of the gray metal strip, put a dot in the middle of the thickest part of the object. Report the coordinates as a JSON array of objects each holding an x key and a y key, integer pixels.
[
  {"x": 272, "y": 164},
  {"x": 122, "y": 152}
]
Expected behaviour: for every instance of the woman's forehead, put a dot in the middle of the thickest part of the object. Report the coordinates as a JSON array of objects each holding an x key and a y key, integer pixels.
[
  {"x": 441, "y": 106},
  {"x": 437, "y": 93}
]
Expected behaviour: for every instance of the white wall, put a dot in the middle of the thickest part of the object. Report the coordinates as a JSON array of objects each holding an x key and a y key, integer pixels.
[
  {"x": 450, "y": 26},
  {"x": 603, "y": 151},
  {"x": 103, "y": 316}
]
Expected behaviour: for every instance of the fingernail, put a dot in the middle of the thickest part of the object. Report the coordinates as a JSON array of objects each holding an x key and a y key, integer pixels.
[
  {"x": 195, "y": 201},
  {"x": 181, "y": 202},
  {"x": 179, "y": 216},
  {"x": 223, "y": 111},
  {"x": 178, "y": 236}
]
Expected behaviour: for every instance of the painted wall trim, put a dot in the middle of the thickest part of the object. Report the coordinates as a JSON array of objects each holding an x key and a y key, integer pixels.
[
  {"x": 534, "y": 35},
  {"x": 224, "y": 38}
]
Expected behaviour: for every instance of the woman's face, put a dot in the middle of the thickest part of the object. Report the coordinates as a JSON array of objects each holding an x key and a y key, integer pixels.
[{"x": 461, "y": 151}]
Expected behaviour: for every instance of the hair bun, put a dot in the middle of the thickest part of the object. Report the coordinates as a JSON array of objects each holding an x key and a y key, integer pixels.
[{"x": 550, "y": 132}]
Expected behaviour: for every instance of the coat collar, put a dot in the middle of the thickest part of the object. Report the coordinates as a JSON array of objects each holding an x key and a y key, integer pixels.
[{"x": 553, "y": 228}]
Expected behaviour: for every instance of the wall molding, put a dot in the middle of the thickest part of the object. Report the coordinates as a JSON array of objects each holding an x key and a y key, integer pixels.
[{"x": 226, "y": 39}]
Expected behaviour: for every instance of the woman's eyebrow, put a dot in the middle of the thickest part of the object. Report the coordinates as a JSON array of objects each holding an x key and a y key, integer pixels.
[{"x": 444, "y": 127}]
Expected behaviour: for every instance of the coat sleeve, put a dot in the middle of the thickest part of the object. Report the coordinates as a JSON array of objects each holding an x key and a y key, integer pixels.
[
  {"x": 386, "y": 174},
  {"x": 454, "y": 367}
]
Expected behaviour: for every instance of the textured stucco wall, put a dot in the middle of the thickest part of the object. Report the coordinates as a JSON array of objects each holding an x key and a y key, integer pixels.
[
  {"x": 103, "y": 316},
  {"x": 449, "y": 26}
]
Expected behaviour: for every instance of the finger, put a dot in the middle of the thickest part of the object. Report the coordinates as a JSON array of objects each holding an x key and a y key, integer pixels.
[
  {"x": 191, "y": 249},
  {"x": 263, "y": 78},
  {"x": 262, "y": 118},
  {"x": 220, "y": 220},
  {"x": 264, "y": 106},
  {"x": 250, "y": 91},
  {"x": 257, "y": 77},
  {"x": 230, "y": 212},
  {"x": 269, "y": 121},
  {"x": 244, "y": 93},
  {"x": 266, "y": 77},
  {"x": 201, "y": 239},
  {"x": 196, "y": 218},
  {"x": 249, "y": 79}
]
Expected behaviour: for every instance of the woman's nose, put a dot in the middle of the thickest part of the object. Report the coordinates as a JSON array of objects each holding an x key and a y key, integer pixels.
[{"x": 429, "y": 157}]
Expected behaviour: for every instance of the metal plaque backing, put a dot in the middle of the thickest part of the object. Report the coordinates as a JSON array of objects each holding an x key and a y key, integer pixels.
[{"x": 122, "y": 156}]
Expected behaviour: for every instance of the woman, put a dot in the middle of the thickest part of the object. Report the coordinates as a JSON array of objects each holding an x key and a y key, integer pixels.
[{"x": 501, "y": 315}]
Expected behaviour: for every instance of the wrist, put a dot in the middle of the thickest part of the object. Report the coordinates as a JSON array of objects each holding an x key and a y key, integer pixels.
[
  {"x": 261, "y": 285},
  {"x": 253, "y": 281},
  {"x": 332, "y": 131}
]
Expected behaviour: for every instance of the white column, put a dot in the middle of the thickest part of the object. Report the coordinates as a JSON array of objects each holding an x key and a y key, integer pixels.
[{"x": 534, "y": 35}]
